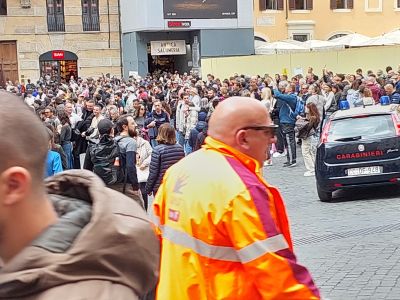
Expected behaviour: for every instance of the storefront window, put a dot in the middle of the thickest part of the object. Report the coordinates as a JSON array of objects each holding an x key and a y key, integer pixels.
[{"x": 58, "y": 65}]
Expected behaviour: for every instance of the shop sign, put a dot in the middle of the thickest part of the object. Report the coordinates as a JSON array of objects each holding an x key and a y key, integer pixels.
[
  {"x": 177, "y": 47},
  {"x": 58, "y": 55},
  {"x": 179, "y": 24}
]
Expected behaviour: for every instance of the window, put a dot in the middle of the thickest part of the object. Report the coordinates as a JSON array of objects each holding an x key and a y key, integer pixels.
[
  {"x": 301, "y": 37},
  {"x": 398, "y": 4},
  {"x": 300, "y": 4},
  {"x": 271, "y": 4},
  {"x": 368, "y": 127},
  {"x": 55, "y": 15},
  {"x": 90, "y": 15},
  {"x": 342, "y": 4},
  {"x": 3, "y": 7},
  {"x": 373, "y": 5}
]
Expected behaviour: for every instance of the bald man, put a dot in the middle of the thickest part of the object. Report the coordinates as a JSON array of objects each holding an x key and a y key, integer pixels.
[
  {"x": 225, "y": 232},
  {"x": 53, "y": 243}
]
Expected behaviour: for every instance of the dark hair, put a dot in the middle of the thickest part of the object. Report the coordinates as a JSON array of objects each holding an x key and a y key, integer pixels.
[
  {"x": 122, "y": 121},
  {"x": 64, "y": 119},
  {"x": 356, "y": 84},
  {"x": 166, "y": 134},
  {"x": 166, "y": 107},
  {"x": 313, "y": 114},
  {"x": 138, "y": 111}
]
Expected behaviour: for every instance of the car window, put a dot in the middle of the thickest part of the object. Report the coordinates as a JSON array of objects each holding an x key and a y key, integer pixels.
[{"x": 366, "y": 127}]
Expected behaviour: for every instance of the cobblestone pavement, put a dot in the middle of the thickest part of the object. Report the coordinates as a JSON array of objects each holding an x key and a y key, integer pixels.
[{"x": 351, "y": 246}]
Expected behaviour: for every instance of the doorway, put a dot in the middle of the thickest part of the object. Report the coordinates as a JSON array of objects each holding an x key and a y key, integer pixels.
[
  {"x": 161, "y": 63},
  {"x": 8, "y": 62},
  {"x": 58, "y": 66}
]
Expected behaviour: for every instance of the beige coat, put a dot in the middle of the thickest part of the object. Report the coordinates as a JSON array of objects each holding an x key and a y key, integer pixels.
[{"x": 102, "y": 248}]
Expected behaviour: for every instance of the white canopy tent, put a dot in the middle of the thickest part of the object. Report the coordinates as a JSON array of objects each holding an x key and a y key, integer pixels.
[
  {"x": 393, "y": 36},
  {"x": 381, "y": 40},
  {"x": 280, "y": 47},
  {"x": 321, "y": 45},
  {"x": 351, "y": 40}
]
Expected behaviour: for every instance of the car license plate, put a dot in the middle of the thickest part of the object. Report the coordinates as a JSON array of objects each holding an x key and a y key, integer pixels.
[{"x": 364, "y": 171}]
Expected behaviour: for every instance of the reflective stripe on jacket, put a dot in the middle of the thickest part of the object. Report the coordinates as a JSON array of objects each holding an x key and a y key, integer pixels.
[{"x": 225, "y": 233}]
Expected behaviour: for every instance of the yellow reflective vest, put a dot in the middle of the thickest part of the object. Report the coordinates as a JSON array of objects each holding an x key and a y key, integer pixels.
[{"x": 225, "y": 233}]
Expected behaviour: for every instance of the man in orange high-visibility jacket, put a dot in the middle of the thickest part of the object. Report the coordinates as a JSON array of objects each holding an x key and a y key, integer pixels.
[{"x": 225, "y": 233}]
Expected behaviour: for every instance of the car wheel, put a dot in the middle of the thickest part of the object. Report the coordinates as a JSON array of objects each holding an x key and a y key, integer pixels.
[{"x": 324, "y": 196}]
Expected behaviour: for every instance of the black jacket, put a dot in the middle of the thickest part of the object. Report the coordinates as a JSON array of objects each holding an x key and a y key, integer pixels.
[
  {"x": 160, "y": 119},
  {"x": 102, "y": 156},
  {"x": 162, "y": 157},
  {"x": 195, "y": 132}
]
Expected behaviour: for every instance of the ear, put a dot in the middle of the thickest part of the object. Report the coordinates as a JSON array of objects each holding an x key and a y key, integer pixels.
[
  {"x": 15, "y": 185},
  {"x": 242, "y": 139}
]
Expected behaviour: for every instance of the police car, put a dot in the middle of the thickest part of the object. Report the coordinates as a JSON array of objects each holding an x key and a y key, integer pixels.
[{"x": 358, "y": 147}]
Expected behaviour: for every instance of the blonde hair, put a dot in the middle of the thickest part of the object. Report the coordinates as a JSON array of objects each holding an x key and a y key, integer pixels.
[{"x": 266, "y": 94}]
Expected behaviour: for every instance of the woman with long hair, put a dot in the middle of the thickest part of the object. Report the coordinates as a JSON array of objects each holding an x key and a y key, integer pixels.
[
  {"x": 164, "y": 155},
  {"x": 140, "y": 116},
  {"x": 308, "y": 128},
  {"x": 65, "y": 138}
]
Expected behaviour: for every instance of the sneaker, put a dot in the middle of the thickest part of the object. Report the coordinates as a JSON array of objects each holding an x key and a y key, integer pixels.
[
  {"x": 293, "y": 164},
  {"x": 286, "y": 164},
  {"x": 309, "y": 174}
]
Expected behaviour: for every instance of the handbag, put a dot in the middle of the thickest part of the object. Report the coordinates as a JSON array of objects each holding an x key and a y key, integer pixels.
[
  {"x": 142, "y": 175},
  {"x": 302, "y": 128}
]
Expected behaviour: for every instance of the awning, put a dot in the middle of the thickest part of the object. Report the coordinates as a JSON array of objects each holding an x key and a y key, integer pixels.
[{"x": 58, "y": 55}]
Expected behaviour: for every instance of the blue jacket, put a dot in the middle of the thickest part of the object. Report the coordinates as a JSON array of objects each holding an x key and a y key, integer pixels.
[
  {"x": 395, "y": 98},
  {"x": 290, "y": 100},
  {"x": 53, "y": 164}
]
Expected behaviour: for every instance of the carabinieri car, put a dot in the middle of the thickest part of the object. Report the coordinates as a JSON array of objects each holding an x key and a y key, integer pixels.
[{"x": 358, "y": 147}]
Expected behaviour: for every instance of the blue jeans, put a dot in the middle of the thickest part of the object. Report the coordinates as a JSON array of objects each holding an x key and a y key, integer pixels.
[
  {"x": 67, "y": 147},
  {"x": 188, "y": 149},
  {"x": 180, "y": 138},
  {"x": 153, "y": 143}
]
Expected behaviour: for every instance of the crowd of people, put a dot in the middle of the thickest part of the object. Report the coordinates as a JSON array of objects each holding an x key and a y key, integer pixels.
[
  {"x": 72, "y": 111},
  {"x": 224, "y": 230}
]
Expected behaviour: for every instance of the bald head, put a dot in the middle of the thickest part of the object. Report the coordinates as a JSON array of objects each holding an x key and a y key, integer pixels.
[
  {"x": 234, "y": 114},
  {"x": 24, "y": 141}
]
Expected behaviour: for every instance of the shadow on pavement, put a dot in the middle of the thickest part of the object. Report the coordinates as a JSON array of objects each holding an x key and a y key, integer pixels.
[{"x": 371, "y": 193}]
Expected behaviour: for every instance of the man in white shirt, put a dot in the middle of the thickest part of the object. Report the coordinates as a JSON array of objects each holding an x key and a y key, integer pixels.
[{"x": 73, "y": 117}]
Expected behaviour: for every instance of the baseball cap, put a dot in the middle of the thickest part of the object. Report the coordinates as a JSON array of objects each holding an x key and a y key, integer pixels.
[{"x": 104, "y": 126}]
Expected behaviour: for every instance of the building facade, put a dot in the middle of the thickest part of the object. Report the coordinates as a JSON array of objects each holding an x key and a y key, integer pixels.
[
  {"x": 323, "y": 19},
  {"x": 59, "y": 39},
  {"x": 175, "y": 35}
]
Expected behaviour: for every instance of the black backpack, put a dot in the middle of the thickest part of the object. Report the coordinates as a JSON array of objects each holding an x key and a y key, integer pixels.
[{"x": 106, "y": 159}]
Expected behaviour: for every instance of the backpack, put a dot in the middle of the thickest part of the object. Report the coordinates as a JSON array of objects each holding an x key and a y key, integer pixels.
[
  {"x": 106, "y": 160},
  {"x": 299, "y": 109}
]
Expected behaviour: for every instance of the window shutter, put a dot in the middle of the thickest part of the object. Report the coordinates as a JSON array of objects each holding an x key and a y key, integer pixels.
[
  {"x": 309, "y": 4},
  {"x": 263, "y": 5},
  {"x": 292, "y": 4},
  {"x": 281, "y": 5},
  {"x": 350, "y": 4},
  {"x": 333, "y": 4}
]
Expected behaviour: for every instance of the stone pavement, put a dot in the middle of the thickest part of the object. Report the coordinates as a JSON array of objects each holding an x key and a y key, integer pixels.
[{"x": 351, "y": 246}]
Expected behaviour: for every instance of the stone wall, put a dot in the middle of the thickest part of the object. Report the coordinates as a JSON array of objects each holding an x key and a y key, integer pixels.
[{"x": 98, "y": 52}]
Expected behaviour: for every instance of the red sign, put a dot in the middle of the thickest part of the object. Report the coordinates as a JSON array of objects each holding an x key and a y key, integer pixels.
[
  {"x": 179, "y": 24},
  {"x": 360, "y": 155},
  {"x": 58, "y": 55}
]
